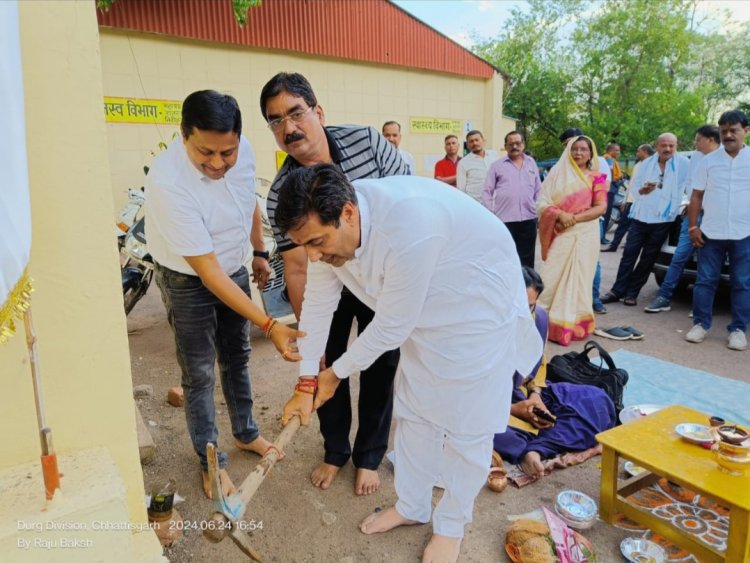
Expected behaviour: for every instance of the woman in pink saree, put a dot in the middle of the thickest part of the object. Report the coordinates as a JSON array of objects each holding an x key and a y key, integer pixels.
[{"x": 573, "y": 197}]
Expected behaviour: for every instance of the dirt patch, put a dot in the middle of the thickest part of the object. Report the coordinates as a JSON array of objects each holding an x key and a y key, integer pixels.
[{"x": 301, "y": 523}]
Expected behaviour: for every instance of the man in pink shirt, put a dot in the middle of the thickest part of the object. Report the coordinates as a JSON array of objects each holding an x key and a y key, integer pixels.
[{"x": 510, "y": 192}]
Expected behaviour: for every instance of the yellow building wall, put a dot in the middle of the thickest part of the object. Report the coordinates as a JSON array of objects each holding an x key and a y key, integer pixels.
[
  {"x": 150, "y": 66},
  {"x": 77, "y": 303}
]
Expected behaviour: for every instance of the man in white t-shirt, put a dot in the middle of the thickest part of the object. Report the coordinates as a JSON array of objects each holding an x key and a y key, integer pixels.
[
  {"x": 721, "y": 188},
  {"x": 201, "y": 213},
  {"x": 472, "y": 169}
]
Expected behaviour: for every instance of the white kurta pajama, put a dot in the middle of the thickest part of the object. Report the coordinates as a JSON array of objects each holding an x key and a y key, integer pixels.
[{"x": 444, "y": 279}]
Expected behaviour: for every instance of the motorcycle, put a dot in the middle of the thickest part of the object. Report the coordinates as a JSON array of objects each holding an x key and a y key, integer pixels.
[
  {"x": 138, "y": 268},
  {"x": 128, "y": 214},
  {"x": 274, "y": 298}
]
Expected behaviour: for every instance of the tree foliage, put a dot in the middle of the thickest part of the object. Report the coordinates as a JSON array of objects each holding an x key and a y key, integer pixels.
[
  {"x": 240, "y": 8},
  {"x": 623, "y": 71}
]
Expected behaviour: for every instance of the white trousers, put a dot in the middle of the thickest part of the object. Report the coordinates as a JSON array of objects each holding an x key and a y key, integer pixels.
[{"x": 426, "y": 453}]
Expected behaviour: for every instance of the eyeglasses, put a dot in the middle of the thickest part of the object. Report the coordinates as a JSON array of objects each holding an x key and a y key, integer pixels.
[{"x": 294, "y": 117}]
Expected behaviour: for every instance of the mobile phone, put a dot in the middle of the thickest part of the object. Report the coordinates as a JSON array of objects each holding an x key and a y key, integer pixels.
[{"x": 544, "y": 415}]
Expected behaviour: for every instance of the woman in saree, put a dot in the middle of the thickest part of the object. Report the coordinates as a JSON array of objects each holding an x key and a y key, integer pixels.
[
  {"x": 573, "y": 197},
  {"x": 579, "y": 412}
]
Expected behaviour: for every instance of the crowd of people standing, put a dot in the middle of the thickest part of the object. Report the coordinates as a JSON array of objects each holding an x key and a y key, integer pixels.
[
  {"x": 583, "y": 186},
  {"x": 446, "y": 324}
]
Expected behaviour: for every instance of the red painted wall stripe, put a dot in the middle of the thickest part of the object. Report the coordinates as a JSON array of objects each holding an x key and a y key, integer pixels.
[{"x": 374, "y": 31}]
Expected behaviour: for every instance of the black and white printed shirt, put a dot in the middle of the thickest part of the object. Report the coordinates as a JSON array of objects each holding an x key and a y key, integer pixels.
[{"x": 360, "y": 152}]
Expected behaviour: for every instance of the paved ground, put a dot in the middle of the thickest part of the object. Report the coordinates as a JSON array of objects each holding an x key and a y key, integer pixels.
[{"x": 301, "y": 523}]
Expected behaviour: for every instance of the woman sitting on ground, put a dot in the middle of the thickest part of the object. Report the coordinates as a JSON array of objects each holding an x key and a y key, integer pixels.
[
  {"x": 573, "y": 196},
  {"x": 581, "y": 411}
]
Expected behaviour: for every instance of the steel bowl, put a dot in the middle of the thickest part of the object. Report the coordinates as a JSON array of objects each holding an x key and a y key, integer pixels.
[
  {"x": 576, "y": 509},
  {"x": 640, "y": 550}
]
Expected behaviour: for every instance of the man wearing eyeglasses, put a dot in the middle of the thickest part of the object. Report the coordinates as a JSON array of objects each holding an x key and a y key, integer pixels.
[
  {"x": 510, "y": 192},
  {"x": 297, "y": 121}
]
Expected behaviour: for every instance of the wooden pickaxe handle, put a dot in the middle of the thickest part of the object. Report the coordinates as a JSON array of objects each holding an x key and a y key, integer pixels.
[{"x": 232, "y": 508}]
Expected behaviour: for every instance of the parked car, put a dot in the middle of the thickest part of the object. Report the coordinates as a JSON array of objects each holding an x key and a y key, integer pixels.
[{"x": 690, "y": 273}]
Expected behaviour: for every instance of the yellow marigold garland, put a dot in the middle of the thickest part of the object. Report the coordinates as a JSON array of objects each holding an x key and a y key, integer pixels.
[{"x": 14, "y": 307}]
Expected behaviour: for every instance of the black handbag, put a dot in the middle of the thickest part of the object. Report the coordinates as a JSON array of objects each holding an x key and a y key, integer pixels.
[{"x": 575, "y": 367}]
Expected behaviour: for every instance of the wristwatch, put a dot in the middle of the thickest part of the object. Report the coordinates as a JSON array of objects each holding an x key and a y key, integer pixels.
[{"x": 261, "y": 254}]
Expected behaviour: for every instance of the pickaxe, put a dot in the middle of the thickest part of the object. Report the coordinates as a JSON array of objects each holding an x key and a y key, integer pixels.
[{"x": 229, "y": 510}]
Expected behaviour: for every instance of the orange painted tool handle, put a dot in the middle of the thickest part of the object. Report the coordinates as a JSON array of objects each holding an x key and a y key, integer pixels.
[{"x": 51, "y": 475}]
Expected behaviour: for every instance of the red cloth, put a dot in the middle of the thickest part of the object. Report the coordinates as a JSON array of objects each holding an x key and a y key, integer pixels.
[{"x": 446, "y": 167}]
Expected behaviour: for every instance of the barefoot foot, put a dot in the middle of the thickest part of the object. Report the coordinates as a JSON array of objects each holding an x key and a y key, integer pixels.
[
  {"x": 441, "y": 549},
  {"x": 258, "y": 446},
  {"x": 367, "y": 482},
  {"x": 227, "y": 486},
  {"x": 384, "y": 521},
  {"x": 323, "y": 475},
  {"x": 531, "y": 464}
]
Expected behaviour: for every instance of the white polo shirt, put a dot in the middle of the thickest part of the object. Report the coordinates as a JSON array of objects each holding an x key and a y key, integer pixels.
[
  {"x": 472, "y": 172},
  {"x": 725, "y": 183},
  {"x": 189, "y": 214}
]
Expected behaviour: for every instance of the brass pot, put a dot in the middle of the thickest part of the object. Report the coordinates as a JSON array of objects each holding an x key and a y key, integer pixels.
[{"x": 733, "y": 459}]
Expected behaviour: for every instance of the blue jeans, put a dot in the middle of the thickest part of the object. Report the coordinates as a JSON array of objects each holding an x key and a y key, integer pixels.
[
  {"x": 710, "y": 261},
  {"x": 682, "y": 254},
  {"x": 642, "y": 246},
  {"x": 597, "y": 300},
  {"x": 205, "y": 329}
]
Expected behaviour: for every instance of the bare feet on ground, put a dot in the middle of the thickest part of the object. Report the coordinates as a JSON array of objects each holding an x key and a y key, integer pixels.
[
  {"x": 384, "y": 521},
  {"x": 259, "y": 446},
  {"x": 367, "y": 482},
  {"x": 323, "y": 475},
  {"x": 531, "y": 464},
  {"x": 226, "y": 483},
  {"x": 441, "y": 549}
]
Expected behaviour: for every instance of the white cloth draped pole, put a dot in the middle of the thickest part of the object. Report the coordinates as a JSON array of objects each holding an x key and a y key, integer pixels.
[{"x": 15, "y": 210}]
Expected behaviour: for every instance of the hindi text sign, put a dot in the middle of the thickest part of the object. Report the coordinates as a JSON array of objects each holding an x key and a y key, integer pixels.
[
  {"x": 142, "y": 110},
  {"x": 434, "y": 125}
]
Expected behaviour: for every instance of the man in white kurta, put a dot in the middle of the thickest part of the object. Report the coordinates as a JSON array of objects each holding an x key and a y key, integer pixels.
[{"x": 444, "y": 279}]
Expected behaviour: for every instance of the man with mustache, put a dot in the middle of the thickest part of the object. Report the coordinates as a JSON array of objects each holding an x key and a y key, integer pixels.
[
  {"x": 297, "y": 122},
  {"x": 721, "y": 188},
  {"x": 510, "y": 192},
  {"x": 658, "y": 187},
  {"x": 472, "y": 170},
  {"x": 392, "y": 132}
]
